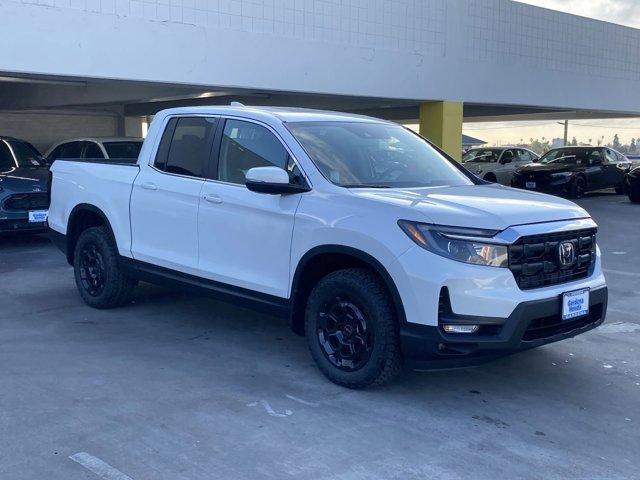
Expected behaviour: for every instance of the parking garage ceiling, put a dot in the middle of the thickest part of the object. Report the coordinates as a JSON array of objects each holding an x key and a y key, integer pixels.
[{"x": 129, "y": 98}]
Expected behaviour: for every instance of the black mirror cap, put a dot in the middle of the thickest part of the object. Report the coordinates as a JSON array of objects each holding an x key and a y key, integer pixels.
[{"x": 276, "y": 188}]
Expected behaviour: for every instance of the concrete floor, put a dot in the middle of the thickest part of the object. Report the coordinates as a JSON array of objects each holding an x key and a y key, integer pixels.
[{"x": 181, "y": 387}]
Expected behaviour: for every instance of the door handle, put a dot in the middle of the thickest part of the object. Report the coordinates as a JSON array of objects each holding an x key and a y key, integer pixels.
[
  {"x": 149, "y": 186},
  {"x": 213, "y": 198}
]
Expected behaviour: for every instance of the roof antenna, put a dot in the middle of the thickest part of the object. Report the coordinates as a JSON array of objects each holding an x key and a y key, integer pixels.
[{"x": 237, "y": 104}]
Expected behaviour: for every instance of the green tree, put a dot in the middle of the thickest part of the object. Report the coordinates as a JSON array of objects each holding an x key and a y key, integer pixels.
[
  {"x": 633, "y": 147},
  {"x": 574, "y": 142}
]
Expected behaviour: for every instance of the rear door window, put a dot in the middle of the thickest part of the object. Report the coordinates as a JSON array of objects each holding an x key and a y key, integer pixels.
[
  {"x": 189, "y": 150},
  {"x": 71, "y": 150},
  {"x": 92, "y": 150}
]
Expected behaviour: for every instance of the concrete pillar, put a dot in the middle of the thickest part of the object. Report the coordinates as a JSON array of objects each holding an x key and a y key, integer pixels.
[
  {"x": 441, "y": 123},
  {"x": 133, "y": 126}
]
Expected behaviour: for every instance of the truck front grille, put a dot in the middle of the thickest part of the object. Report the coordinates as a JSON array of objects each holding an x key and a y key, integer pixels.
[
  {"x": 535, "y": 260},
  {"x": 27, "y": 201}
]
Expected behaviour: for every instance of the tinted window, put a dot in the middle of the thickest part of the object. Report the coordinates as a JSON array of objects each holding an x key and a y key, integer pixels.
[
  {"x": 71, "y": 150},
  {"x": 55, "y": 154},
  {"x": 377, "y": 155},
  {"x": 6, "y": 159},
  {"x": 524, "y": 156},
  {"x": 190, "y": 147},
  {"x": 611, "y": 156},
  {"x": 26, "y": 154},
  {"x": 91, "y": 150},
  {"x": 575, "y": 156},
  {"x": 246, "y": 145},
  {"x": 482, "y": 155},
  {"x": 123, "y": 149}
]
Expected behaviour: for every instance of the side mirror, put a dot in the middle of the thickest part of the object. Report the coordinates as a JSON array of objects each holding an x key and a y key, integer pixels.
[{"x": 271, "y": 180}]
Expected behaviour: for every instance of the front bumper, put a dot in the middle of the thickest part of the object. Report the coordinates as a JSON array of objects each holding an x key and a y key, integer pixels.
[
  {"x": 545, "y": 185},
  {"x": 20, "y": 223},
  {"x": 531, "y": 325}
]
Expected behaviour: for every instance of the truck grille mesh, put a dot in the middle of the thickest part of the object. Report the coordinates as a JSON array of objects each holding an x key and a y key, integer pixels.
[{"x": 535, "y": 260}]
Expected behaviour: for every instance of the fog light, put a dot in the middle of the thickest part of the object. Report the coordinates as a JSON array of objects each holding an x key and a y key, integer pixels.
[{"x": 461, "y": 328}]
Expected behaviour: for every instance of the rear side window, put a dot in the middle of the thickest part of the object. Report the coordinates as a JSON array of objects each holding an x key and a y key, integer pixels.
[
  {"x": 123, "y": 149},
  {"x": 91, "y": 150},
  {"x": 246, "y": 145},
  {"x": 6, "y": 159},
  {"x": 71, "y": 150},
  {"x": 186, "y": 144}
]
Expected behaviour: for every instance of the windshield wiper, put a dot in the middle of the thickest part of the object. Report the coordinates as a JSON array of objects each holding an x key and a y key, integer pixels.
[{"x": 364, "y": 185}]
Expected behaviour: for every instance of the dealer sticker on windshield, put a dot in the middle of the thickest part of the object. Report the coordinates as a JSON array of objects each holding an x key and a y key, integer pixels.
[
  {"x": 531, "y": 185},
  {"x": 575, "y": 304},
  {"x": 38, "y": 216}
]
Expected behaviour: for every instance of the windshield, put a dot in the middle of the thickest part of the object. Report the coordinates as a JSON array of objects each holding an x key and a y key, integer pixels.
[
  {"x": 26, "y": 154},
  {"x": 123, "y": 149},
  {"x": 359, "y": 154},
  {"x": 575, "y": 156},
  {"x": 482, "y": 155}
]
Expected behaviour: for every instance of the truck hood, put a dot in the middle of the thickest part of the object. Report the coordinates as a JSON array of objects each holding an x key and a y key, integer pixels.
[
  {"x": 25, "y": 180},
  {"x": 476, "y": 206}
]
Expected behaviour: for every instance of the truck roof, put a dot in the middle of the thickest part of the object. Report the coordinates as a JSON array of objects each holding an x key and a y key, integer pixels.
[{"x": 284, "y": 114}]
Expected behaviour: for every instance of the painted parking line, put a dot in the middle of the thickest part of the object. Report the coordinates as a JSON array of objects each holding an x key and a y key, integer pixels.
[
  {"x": 622, "y": 273},
  {"x": 97, "y": 466}
]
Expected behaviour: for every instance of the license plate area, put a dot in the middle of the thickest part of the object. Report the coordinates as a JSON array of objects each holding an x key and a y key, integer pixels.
[
  {"x": 575, "y": 304},
  {"x": 38, "y": 216},
  {"x": 531, "y": 184}
]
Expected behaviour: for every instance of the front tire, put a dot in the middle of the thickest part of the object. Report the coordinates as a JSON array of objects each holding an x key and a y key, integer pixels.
[
  {"x": 352, "y": 330},
  {"x": 100, "y": 280},
  {"x": 578, "y": 188}
]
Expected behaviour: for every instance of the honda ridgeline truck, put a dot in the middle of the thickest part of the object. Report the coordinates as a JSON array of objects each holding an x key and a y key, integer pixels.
[{"x": 379, "y": 248}]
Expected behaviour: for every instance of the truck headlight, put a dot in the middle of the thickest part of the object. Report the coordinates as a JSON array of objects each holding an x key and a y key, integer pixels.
[{"x": 468, "y": 245}]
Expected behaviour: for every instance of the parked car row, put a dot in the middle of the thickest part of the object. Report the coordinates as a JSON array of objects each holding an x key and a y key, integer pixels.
[
  {"x": 24, "y": 174},
  {"x": 569, "y": 171}
]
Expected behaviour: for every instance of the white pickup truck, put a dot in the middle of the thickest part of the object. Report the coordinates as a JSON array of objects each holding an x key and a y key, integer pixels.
[{"x": 380, "y": 249}]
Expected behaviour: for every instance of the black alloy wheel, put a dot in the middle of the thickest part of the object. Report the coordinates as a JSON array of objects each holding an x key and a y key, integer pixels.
[
  {"x": 344, "y": 333},
  {"x": 92, "y": 269}
]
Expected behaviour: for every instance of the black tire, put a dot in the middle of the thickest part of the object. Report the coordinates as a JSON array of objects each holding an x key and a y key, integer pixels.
[
  {"x": 621, "y": 189},
  {"x": 99, "y": 277},
  {"x": 491, "y": 177},
  {"x": 362, "y": 299},
  {"x": 634, "y": 195},
  {"x": 578, "y": 188}
]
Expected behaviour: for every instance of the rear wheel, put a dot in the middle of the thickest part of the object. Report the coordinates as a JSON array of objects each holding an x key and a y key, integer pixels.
[
  {"x": 99, "y": 277},
  {"x": 634, "y": 195},
  {"x": 491, "y": 177},
  {"x": 578, "y": 188},
  {"x": 351, "y": 329}
]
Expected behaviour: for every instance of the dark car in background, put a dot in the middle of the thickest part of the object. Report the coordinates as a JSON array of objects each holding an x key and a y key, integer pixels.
[
  {"x": 24, "y": 197},
  {"x": 573, "y": 171},
  {"x": 633, "y": 185}
]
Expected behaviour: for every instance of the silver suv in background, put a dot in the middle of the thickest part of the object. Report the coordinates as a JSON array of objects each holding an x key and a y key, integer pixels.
[
  {"x": 96, "y": 148},
  {"x": 498, "y": 164}
]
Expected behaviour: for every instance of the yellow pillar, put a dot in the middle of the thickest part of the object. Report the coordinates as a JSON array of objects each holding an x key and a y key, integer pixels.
[{"x": 441, "y": 123}]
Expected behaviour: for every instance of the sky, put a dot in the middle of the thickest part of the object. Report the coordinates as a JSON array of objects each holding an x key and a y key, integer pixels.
[{"x": 625, "y": 12}]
